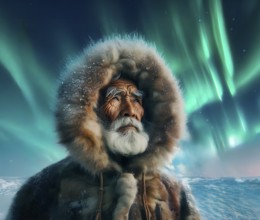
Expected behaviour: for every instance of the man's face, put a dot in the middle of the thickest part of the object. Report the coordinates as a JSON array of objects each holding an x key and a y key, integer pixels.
[
  {"x": 123, "y": 108},
  {"x": 123, "y": 99}
]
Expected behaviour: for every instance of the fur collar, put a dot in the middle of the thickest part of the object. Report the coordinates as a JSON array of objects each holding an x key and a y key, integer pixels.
[{"x": 78, "y": 124}]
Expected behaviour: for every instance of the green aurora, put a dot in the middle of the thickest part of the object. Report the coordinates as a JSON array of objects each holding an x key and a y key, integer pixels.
[{"x": 197, "y": 39}]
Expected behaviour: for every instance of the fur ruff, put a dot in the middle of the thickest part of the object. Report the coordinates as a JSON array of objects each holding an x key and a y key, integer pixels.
[{"x": 78, "y": 121}]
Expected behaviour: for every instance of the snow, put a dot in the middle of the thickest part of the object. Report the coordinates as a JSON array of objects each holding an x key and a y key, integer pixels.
[{"x": 8, "y": 188}]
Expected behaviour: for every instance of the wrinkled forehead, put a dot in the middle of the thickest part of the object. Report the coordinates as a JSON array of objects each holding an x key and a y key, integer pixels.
[{"x": 123, "y": 86}]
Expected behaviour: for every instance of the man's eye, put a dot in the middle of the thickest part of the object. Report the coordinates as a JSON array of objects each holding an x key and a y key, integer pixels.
[
  {"x": 137, "y": 100},
  {"x": 116, "y": 98}
]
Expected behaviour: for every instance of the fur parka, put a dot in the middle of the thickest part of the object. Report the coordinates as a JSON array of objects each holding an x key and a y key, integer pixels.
[{"x": 92, "y": 183}]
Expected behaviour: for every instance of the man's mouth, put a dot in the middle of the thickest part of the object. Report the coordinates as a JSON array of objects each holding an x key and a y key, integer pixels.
[{"x": 127, "y": 128}]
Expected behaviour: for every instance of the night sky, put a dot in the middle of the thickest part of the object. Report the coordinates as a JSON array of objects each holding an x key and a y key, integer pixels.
[{"x": 213, "y": 48}]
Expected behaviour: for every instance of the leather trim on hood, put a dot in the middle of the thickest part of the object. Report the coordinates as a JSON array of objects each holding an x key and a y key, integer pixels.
[{"x": 78, "y": 124}]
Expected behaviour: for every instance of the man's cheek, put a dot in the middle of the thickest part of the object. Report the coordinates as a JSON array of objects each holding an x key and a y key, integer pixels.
[{"x": 111, "y": 112}]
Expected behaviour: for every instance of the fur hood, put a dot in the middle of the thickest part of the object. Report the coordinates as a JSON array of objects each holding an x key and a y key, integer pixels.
[{"x": 79, "y": 125}]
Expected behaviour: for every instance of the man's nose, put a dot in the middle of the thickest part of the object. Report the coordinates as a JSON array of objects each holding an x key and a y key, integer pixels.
[{"x": 128, "y": 110}]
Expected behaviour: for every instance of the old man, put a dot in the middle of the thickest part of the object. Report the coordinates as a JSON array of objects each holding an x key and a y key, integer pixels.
[{"x": 120, "y": 115}]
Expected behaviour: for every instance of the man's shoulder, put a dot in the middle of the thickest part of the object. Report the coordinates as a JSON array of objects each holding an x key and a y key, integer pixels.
[
  {"x": 169, "y": 179},
  {"x": 52, "y": 175}
]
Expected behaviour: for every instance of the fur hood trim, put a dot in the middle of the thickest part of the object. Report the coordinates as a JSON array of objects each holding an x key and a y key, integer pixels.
[{"x": 78, "y": 124}]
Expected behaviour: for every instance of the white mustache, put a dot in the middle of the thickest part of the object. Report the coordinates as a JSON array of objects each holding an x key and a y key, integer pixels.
[{"x": 125, "y": 121}]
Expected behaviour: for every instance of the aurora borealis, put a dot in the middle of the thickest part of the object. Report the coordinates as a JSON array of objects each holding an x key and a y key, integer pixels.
[{"x": 212, "y": 47}]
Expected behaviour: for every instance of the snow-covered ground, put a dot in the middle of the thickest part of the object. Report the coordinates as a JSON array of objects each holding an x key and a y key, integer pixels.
[
  {"x": 227, "y": 198},
  {"x": 220, "y": 198},
  {"x": 8, "y": 188}
]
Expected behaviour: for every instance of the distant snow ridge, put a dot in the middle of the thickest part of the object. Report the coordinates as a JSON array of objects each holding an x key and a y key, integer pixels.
[
  {"x": 248, "y": 180},
  {"x": 9, "y": 185}
]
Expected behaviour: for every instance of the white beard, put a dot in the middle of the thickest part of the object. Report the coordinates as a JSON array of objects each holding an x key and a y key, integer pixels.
[{"x": 128, "y": 143}]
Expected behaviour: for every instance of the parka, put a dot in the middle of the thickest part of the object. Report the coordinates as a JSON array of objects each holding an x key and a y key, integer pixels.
[{"x": 92, "y": 183}]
